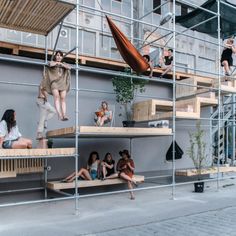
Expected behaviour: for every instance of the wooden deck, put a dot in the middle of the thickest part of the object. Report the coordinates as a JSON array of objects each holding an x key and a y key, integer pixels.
[
  {"x": 211, "y": 170},
  {"x": 57, "y": 185},
  {"x": 108, "y": 132}
]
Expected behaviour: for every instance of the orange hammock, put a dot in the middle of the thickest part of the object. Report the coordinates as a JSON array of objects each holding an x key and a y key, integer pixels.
[{"x": 127, "y": 50}]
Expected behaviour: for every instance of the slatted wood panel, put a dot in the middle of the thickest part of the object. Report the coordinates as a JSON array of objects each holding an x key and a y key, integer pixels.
[
  {"x": 212, "y": 170},
  {"x": 34, "y": 16},
  {"x": 101, "y": 132},
  {"x": 57, "y": 185},
  {"x": 31, "y": 164}
]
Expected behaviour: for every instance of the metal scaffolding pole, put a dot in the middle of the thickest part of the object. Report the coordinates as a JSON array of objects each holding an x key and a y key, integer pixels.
[
  {"x": 77, "y": 108},
  {"x": 219, "y": 91},
  {"x": 174, "y": 103}
]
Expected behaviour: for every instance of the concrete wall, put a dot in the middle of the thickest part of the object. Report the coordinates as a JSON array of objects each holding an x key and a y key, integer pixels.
[{"x": 148, "y": 153}]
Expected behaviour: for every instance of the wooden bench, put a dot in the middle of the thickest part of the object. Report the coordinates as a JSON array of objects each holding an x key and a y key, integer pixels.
[
  {"x": 211, "y": 170},
  {"x": 58, "y": 185},
  {"x": 23, "y": 161},
  {"x": 155, "y": 109}
]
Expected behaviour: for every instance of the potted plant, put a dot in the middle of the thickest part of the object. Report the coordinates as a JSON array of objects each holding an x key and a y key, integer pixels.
[
  {"x": 126, "y": 89},
  {"x": 197, "y": 152}
]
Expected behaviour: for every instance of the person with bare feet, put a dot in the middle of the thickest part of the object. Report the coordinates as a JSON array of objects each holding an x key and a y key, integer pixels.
[{"x": 90, "y": 173}]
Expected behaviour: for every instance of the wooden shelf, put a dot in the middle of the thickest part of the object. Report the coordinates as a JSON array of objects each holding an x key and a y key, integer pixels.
[
  {"x": 108, "y": 132},
  {"x": 57, "y": 185}
]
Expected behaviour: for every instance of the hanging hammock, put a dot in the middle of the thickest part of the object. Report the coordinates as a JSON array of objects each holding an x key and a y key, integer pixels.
[{"x": 127, "y": 50}]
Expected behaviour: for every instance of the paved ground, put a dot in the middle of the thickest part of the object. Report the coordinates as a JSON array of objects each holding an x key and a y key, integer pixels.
[{"x": 152, "y": 213}]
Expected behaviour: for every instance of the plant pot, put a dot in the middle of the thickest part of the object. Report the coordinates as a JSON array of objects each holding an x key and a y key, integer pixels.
[
  {"x": 199, "y": 187},
  {"x": 128, "y": 123}
]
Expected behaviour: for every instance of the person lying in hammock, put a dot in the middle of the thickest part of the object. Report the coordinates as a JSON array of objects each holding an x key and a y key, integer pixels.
[{"x": 147, "y": 58}]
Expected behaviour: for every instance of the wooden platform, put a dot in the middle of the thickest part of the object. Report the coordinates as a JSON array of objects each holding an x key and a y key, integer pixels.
[
  {"x": 155, "y": 109},
  {"x": 57, "y": 185},
  {"x": 108, "y": 132},
  {"x": 24, "y": 161},
  {"x": 33, "y": 16},
  {"x": 37, "y": 152},
  {"x": 212, "y": 170}
]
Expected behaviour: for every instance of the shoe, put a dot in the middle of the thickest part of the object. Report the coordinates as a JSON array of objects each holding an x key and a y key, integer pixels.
[
  {"x": 39, "y": 136},
  {"x": 132, "y": 198},
  {"x": 45, "y": 124},
  {"x": 65, "y": 118}
]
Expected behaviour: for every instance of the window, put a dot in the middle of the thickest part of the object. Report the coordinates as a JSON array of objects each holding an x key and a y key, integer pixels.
[
  {"x": 157, "y": 3},
  {"x": 89, "y": 39}
]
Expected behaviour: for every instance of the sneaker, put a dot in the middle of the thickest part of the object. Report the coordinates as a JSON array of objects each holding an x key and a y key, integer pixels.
[
  {"x": 39, "y": 136},
  {"x": 45, "y": 124}
]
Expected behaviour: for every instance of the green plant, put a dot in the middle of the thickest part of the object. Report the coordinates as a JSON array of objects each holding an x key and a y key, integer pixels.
[
  {"x": 126, "y": 89},
  {"x": 197, "y": 150}
]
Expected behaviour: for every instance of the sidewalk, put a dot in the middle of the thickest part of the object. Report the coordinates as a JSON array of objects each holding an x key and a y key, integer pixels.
[{"x": 152, "y": 213}]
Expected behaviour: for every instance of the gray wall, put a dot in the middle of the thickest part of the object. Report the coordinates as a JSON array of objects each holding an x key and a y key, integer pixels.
[{"x": 148, "y": 153}]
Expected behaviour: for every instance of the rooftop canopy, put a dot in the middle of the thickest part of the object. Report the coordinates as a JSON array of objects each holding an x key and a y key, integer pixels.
[
  {"x": 227, "y": 19},
  {"x": 34, "y": 16}
]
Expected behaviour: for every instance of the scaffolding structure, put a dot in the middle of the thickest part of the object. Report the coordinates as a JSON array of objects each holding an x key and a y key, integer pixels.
[{"x": 174, "y": 33}]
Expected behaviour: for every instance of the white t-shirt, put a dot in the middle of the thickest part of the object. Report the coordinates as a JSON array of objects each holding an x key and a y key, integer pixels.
[{"x": 14, "y": 133}]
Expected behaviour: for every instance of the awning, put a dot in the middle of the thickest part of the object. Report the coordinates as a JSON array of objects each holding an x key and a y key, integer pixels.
[
  {"x": 227, "y": 19},
  {"x": 34, "y": 16}
]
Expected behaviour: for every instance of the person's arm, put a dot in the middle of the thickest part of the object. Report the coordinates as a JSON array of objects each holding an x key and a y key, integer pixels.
[
  {"x": 66, "y": 66},
  {"x": 109, "y": 166},
  {"x": 53, "y": 63},
  {"x": 234, "y": 48},
  {"x": 1, "y": 142},
  {"x": 131, "y": 166}
]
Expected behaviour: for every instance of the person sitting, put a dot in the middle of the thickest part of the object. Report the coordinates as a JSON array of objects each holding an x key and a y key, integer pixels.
[
  {"x": 90, "y": 173},
  {"x": 226, "y": 56},
  {"x": 125, "y": 168},
  {"x": 47, "y": 111},
  {"x": 147, "y": 59},
  {"x": 103, "y": 115},
  {"x": 10, "y": 136},
  {"x": 166, "y": 62},
  {"x": 108, "y": 166}
]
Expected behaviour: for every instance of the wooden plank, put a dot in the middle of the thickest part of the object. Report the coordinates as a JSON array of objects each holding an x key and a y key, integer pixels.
[
  {"x": 37, "y": 152},
  {"x": 211, "y": 170},
  {"x": 96, "y": 132},
  {"x": 57, "y": 185}
]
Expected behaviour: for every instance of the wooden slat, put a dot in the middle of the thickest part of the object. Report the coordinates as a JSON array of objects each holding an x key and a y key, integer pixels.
[
  {"x": 57, "y": 185},
  {"x": 33, "y": 16},
  {"x": 96, "y": 132},
  {"x": 212, "y": 170},
  {"x": 36, "y": 152}
]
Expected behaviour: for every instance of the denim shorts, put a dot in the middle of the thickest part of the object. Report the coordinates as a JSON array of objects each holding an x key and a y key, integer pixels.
[
  {"x": 93, "y": 174},
  {"x": 8, "y": 144}
]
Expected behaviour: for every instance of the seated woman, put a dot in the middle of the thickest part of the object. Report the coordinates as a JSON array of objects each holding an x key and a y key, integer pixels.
[
  {"x": 147, "y": 58},
  {"x": 108, "y": 166},
  {"x": 104, "y": 115},
  {"x": 90, "y": 173},
  {"x": 10, "y": 137},
  {"x": 125, "y": 168}
]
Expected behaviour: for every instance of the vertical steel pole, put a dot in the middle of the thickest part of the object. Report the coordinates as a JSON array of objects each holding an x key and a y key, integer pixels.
[
  {"x": 174, "y": 105},
  {"x": 219, "y": 90},
  {"x": 77, "y": 107},
  {"x": 46, "y": 160},
  {"x": 233, "y": 131},
  {"x": 132, "y": 25}
]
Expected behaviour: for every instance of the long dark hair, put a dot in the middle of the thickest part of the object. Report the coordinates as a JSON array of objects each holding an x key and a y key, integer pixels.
[
  {"x": 105, "y": 158},
  {"x": 8, "y": 116},
  {"x": 90, "y": 160},
  {"x": 58, "y": 51}
]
